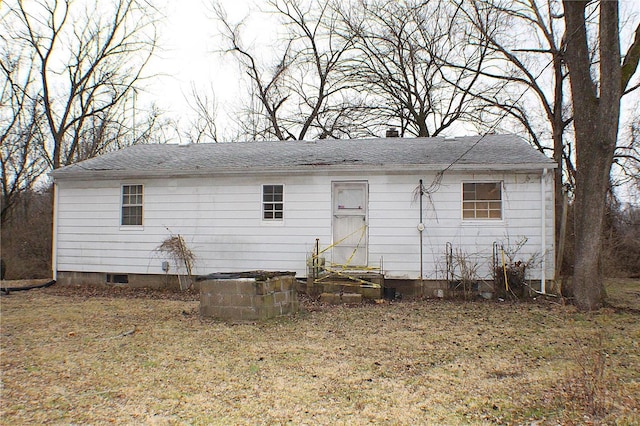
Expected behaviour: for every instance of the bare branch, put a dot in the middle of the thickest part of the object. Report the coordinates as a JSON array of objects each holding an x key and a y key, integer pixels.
[
  {"x": 20, "y": 120},
  {"x": 297, "y": 91},
  {"x": 87, "y": 66},
  {"x": 400, "y": 61}
]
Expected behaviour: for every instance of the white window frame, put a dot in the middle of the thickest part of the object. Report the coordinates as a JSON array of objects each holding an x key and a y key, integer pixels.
[
  {"x": 130, "y": 204},
  {"x": 265, "y": 203},
  {"x": 488, "y": 209}
]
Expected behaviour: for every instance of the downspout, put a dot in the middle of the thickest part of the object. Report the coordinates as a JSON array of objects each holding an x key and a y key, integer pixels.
[
  {"x": 54, "y": 245},
  {"x": 543, "y": 230},
  {"x": 420, "y": 229}
]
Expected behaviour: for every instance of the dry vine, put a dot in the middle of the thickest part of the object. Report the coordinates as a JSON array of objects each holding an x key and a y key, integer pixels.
[{"x": 176, "y": 248}]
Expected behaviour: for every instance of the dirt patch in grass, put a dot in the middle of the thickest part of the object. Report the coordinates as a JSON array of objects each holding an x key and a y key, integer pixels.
[{"x": 101, "y": 355}]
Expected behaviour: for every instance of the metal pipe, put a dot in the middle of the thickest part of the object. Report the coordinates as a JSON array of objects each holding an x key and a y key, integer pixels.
[
  {"x": 543, "y": 226},
  {"x": 448, "y": 248},
  {"x": 420, "y": 229},
  {"x": 421, "y": 192},
  {"x": 55, "y": 235},
  {"x": 316, "y": 261}
]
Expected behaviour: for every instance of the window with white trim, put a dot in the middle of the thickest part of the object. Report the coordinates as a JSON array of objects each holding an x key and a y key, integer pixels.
[
  {"x": 131, "y": 205},
  {"x": 482, "y": 200},
  {"x": 272, "y": 202}
]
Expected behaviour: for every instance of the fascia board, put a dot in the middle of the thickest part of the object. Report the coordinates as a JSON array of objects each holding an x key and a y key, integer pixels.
[{"x": 400, "y": 169}]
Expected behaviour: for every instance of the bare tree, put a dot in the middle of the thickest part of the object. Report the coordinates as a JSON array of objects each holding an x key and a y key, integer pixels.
[
  {"x": 88, "y": 58},
  {"x": 20, "y": 122},
  {"x": 203, "y": 127},
  {"x": 531, "y": 68},
  {"x": 402, "y": 63},
  {"x": 596, "y": 93},
  {"x": 299, "y": 91}
]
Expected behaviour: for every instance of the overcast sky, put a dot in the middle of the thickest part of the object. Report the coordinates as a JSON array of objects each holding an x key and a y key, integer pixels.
[{"x": 189, "y": 55}]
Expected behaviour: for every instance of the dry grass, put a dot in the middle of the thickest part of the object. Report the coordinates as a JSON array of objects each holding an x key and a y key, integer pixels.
[
  {"x": 624, "y": 293},
  {"x": 70, "y": 356}
]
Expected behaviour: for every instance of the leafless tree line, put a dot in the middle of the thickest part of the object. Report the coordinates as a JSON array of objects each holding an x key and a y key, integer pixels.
[
  {"x": 353, "y": 69},
  {"x": 70, "y": 72}
]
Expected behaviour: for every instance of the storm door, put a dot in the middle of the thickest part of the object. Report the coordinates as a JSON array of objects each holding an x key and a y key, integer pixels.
[{"x": 350, "y": 232}]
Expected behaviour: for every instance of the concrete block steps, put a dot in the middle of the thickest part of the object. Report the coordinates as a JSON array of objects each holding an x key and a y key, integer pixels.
[{"x": 337, "y": 298}]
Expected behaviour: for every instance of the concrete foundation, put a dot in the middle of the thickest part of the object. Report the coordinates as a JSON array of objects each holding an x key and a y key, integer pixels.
[
  {"x": 131, "y": 280},
  {"x": 402, "y": 288},
  {"x": 248, "y": 298}
]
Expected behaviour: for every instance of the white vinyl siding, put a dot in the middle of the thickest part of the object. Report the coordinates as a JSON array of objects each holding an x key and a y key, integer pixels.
[{"x": 221, "y": 219}]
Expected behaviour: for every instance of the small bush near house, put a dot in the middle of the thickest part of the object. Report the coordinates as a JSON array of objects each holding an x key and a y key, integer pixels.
[
  {"x": 511, "y": 269},
  {"x": 511, "y": 283}
]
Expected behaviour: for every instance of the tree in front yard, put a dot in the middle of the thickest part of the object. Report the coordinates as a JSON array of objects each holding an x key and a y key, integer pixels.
[{"x": 596, "y": 104}]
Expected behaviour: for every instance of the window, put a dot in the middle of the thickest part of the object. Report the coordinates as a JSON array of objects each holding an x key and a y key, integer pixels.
[
  {"x": 272, "y": 205},
  {"x": 117, "y": 278},
  {"x": 482, "y": 200},
  {"x": 131, "y": 205}
]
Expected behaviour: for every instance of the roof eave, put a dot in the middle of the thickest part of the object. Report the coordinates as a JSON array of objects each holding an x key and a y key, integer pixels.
[{"x": 369, "y": 168}]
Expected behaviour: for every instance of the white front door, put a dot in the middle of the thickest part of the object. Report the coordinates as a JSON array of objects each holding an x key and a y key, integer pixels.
[{"x": 350, "y": 232}]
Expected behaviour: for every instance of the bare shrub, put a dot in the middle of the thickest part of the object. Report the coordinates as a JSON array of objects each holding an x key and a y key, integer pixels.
[
  {"x": 510, "y": 268},
  {"x": 178, "y": 251},
  {"x": 27, "y": 236},
  {"x": 463, "y": 271},
  {"x": 587, "y": 386},
  {"x": 621, "y": 242}
]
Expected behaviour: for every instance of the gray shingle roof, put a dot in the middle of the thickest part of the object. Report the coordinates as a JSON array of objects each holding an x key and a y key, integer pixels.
[{"x": 492, "y": 152}]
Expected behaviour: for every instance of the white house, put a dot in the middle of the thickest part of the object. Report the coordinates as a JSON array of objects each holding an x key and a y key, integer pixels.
[{"x": 267, "y": 205}]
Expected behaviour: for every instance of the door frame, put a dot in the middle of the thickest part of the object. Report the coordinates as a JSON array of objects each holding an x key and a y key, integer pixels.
[{"x": 363, "y": 248}]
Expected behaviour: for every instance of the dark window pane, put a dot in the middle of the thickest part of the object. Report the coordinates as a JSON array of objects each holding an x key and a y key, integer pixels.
[
  {"x": 488, "y": 191},
  {"x": 272, "y": 198},
  {"x": 132, "y": 215},
  {"x": 482, "y": 200},
  {"x": 132, "y": 199}
]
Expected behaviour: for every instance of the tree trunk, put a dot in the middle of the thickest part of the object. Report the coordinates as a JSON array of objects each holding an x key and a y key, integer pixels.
[
  {"x": 596, "y": 116},
  {"x": 557, "y": 126},
  {"x": 588, "y": 285}
]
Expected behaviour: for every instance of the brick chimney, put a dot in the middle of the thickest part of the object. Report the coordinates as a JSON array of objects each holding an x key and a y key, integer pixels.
[{"x": 392, "y": 132}]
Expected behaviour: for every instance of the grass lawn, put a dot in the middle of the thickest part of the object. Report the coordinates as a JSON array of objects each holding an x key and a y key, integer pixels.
[{"x": 74, "y": 356}]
